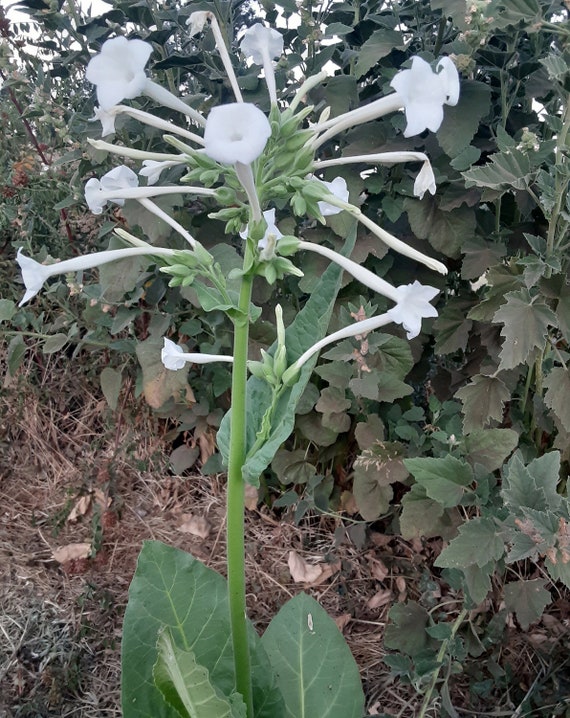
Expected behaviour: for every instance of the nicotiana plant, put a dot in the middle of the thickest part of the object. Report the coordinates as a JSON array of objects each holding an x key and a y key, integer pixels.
[{"x": 188, "y": 647}]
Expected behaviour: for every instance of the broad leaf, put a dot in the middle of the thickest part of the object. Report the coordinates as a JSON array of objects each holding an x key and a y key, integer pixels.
[
  {"x": 483, "y": 401},
  {"x": 490, "y": 447},
  {"x": 557, "y": 395},
  {"x": 444, "y": 480},
  {"x": 460, "y": 123},
  {"x": 310, "y": 325},
  {"x": 173, "y": 590},
  {"x": 374, "y": 470},
  {"x": 505, "y": 171},
  {"x": 477, "y": 543},
  {"x": 406, "y": 631},
  {"x": 315, "y": 670},
  {"x": 378, "y": 45},
  {"x": 161, "y": 384},
  {"x": 422, "y": 516},
  {"x": 7, "y": 309},
  {"x": 111, "y": 380},
  {"x": 478, "y": 580},
  {"x": 525, "y": 327},
  {"x": 186, "y": 685},
  {"x": 444, "y": 230},
  {"x": 452, "y": 327},
  {"x": 527, "y": 599}
]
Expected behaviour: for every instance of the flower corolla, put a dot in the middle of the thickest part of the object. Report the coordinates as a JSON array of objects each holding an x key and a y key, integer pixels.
[
  {"x": 261, "y": 43},
  {"x": 197, "y": 21},
  {"x": 152, "y": 169},
  {"x": 413, "y": 305},
  {"x": 425, "y": 92},
  {"x": 119, "y": 178},
  {"x": 237, "y": 132},
  {"x": 174, "y": 357},
  {"x": 107, "y": 120},
  {"x": 35, "y": 274},
  {"x": 340, "y": 190},
  {"x": 272, "y": 233},
  {"x": 425, "y": 181},
  {"x": 118, "y": 70}
]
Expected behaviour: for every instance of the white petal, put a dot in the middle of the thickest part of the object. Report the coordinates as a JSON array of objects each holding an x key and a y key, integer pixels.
[
  {"x": 170, "y": 355},
  {"x": 337, "y": 187},
  {"x": 260, "y": 42},
  {"x": 237, "y": 132},
  {"x": 413, "y": 306},
  {"x": 93, "y": 197},
  {"x": 425, "y": 181},
  {"x": 450, "y": 76}
]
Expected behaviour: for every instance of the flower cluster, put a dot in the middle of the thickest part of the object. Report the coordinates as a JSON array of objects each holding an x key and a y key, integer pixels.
[{"x": 249, "y": 163}]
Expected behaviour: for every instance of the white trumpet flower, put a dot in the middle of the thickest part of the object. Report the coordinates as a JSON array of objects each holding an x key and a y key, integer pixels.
[{"x": 174, "y": 357}]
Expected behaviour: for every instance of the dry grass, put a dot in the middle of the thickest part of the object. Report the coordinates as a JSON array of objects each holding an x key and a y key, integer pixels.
[{"x": 60, "y": 623}]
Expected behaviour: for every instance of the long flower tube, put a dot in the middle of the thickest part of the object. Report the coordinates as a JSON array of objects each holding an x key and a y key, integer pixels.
[
  {"x": 133, "y": 153},
  {"x": 378, "y": 108},
  {"x": 35, "y": 274},
  {"x": 148, "y": 118},
  {"x": 101, "y": 197},
  {"x": 307, "y": 86},
  {"x": 387, "y": 238},
  {"x": 174, "y": 357},
  {"x": 363, "y": 275},
  {"x": 118, "y": 72},
  {"x": 197, "y": 21},
  {"x": 263, "y": 44},
  {"x": 425, "y": 180},
  {"x": 165, "y": 217},
  {"x": 366, "y": 325},
  {"x": 245, "y": 175}
]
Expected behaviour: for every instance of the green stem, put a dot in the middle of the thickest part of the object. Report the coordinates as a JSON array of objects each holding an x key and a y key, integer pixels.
[
  {"x": 440, "y": 656},
  {"x": 236, "y": 498}
]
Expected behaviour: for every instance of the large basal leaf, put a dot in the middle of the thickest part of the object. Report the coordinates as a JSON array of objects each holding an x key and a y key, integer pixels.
[
  {"x": 315, "y": 670},
  {"x": 172, "y": 590},
  {"x": 309, "y": 326},
  {"x": 186, "y": 685}
]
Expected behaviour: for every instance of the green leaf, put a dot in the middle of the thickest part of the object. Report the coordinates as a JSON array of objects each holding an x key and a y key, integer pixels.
[
  {"x": 308, "y": 327},
  {"x": 7, "y": 309},
  {"x": 490, "y": 447},
  {"x": 460, "y": 123},
  {"x": 172, "y": 589},
  {"x": 444, "y": 230},
  {"x": 480, "y": 254},
  {"x": 379, "y": 386},
  {"x": 506, "y": 171},
  {"x": 315, "y": 670},
  {"x": 455, "y": 9},
  {"x": 520, "y": 489},
  {"x": 512, "y": 12},
  {"x": 478, "y": 541},
  {"x": 161, "y": 384},
  {"x": 525, "y": 327},
  {"x": 374, "y": 470},
  {"x": 394, "y": 353},
  {"x": 111, "y": 381},
  {"x": 556, "y": 66},
  {"x": 557, "y": 395},
  {"x": 527, "y": 599},
  {"x": 186, "y": 685},
  {"x": 452, "y": 327},
  {"x": 478, "y": 580},
  {"x": 422, "y": 516},
  {"x": 292, "y": 467},
  {"x": 483, "y": 401},
  {"x": 378, "y": 45},
  {"x": 15, "y": 354},
  {"x": 54, "y": 343},
  {"x": 444, "y": 480},
  {"x": 406, "y": 631}
]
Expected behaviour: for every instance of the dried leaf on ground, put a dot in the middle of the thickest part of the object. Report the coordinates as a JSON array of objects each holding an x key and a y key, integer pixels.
[
  {"x": 342, "y": 621},
  {"x": 72, "y": 552},
  {"x": 195, "y": 525},
  {"x": 251, "y": 497},
  {"x": 301, "y": 571},
  {"x": 380, "y": 598},
  {"x": 80, "y": 509}
]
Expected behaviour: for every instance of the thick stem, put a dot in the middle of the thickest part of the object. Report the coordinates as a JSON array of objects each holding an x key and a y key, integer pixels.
[{"x": 236, "y": 498}]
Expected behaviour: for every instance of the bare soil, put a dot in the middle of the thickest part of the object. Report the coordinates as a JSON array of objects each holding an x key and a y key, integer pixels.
[{"x": 73, "y": 475}]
